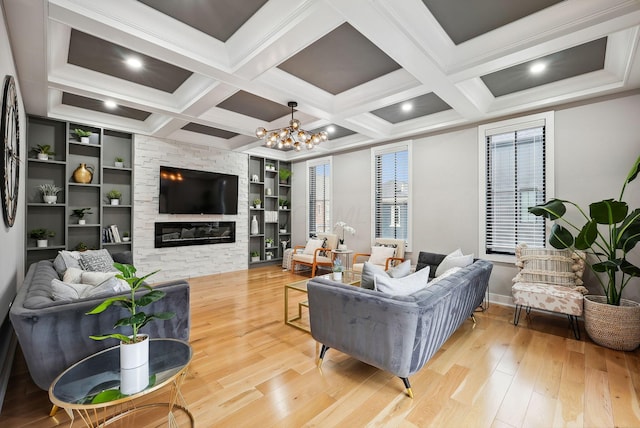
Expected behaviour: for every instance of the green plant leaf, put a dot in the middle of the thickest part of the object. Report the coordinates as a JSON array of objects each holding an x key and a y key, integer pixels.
[
  {"x": 150, "y": 297},
  {"x": 553, "y": 209},
  {"x": 635, "y": 169},
  {"x": 608, "y": 211},
  {"x": 587, "y": 235},
  {"x": 108, "y": 395},
  {"x": 629, "y": 232},
  {"x": 607, "y": 265},
  {"x": 560, "y": 237},
  {"x": 134, "y": 319},
  {"x": 117, "y": 336},
  {"x": 104, "y": 305},
  {"x": 159, "y": 316},
  {"x": 629, "y": 268}
]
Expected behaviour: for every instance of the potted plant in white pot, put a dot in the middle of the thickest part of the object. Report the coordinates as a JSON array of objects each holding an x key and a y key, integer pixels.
[
  {"x": 114, "y": 196},
  {"x": 284, "y": 175},
  {"x": 42, "y": 151},
  {"x": 49, "y": 192},
  {"x": 255, "y": 256},
  {"x": 81, "y": 213},
  {"x": 82, "y": 135},
  {"x": 126, "y": 237},
  {"x": 610, "y": 232},
  {"x": 337, "y": 269},
  {"x": 119, "y": 162},
  {"x": 257, "y": 203},
  {"x": 134, "y": 348},
  {"x": 41, "y": 236}
]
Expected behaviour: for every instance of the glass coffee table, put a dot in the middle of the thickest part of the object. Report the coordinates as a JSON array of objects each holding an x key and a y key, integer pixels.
[
  {"x": 348, "y": 277},
  {"x": 90, "y": 388}
]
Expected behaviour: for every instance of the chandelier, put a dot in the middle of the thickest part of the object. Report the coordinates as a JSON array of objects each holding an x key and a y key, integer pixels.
[{"x": 292, "y": 136}]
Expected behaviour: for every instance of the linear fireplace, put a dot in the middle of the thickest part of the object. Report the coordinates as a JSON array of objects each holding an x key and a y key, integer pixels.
[{"x": 177, "y": 234}]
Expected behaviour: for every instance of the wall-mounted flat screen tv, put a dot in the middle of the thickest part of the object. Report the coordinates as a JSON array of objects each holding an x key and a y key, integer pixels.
[{"x": 187, "y": 191}]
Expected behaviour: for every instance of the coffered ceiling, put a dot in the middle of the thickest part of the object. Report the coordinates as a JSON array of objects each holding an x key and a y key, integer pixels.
[{"x": 374, "y": 70}]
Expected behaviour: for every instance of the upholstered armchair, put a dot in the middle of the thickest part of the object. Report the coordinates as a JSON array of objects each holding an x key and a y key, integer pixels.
[
  {"x": 549, "y": 280},
  {"x": 316, "y": 253},
  {"x": 384, "y": 253}
]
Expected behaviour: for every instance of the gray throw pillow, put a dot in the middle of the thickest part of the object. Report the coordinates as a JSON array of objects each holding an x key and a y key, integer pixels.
[
  {"x": 370, "y": 270},
  {"x": 65, "y": 260},
  {"x": 97, "y": 261}
]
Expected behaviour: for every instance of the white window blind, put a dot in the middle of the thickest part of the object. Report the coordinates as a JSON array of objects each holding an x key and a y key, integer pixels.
[
  {"x": 319, "y": 196},
  {"x": 391, "y": 192},
  {"x": 515, "y": 178}
]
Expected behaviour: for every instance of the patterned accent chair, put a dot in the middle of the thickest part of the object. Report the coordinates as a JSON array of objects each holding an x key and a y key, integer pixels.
[
  {"x": 549, "y": 280},
  {"x": 315, "y": 257},
  {"x": 382, "y": 261}
]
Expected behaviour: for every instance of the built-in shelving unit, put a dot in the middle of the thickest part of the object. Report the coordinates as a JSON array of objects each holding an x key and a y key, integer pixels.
[
  {"x": 273, "y": 216},
  {"x": 98, "y": 155}
]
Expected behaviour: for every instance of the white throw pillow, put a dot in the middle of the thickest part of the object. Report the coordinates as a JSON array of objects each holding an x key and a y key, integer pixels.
[
  {"x": 68, "y": 292},
  {"x": 400, "y": 271},
  {"x": 403, "y": 286},
  {"x": 72, "y": 275},
  {"x": 379, "y": 255},
  {"x": 108, "y": 287},
  {"x": 312, "y": 245},
  {"x": 454, "y": 259},
  {"x": 369, "y": 271},
  {"x": 449, "y": 272},
  {"x": 96, "y": 278}
]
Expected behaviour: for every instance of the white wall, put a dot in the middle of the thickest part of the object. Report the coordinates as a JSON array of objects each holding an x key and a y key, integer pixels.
[
  {"x": 12, "y": 240},
  {"x": 595, "y": 145},
  {"x": 188, "y": 261}
]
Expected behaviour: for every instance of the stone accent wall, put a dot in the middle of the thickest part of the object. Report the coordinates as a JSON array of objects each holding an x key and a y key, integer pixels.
[{"x": 189, "y": 261}]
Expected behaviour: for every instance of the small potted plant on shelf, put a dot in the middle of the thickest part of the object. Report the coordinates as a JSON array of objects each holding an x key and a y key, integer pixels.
[
  {"x": 270, "y": 167},
  {"x": 49, "y": 192},
  {"x": 257, "y": 202},
  {"x": 80, "y": 213},
  {"x": 41, "y": 236},
  {"x": 114, "y": 196},
  {"x": 283, "y": 228},
  {"x": 268, "y": 242},
  {"x": 81, "y": 246},
  {"x": 337, "y": 270},
  {"x": 126, "y": 237},
  {"x": 82, "y": 135},
  {"x": 255, "y": 256},
  {"x": 42, "y": 151},
  {"x": 283, "y": 203},
  {"x": 268, "y": 255},
  {"x": 284, "y": 174},
  {"x": 119, "y": 163},
  {"x": 134, "y": 348}
]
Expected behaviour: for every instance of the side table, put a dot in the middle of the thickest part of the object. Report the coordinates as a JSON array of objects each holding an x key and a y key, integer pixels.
[
  {"x": 90, "y": 388},
  {"x": 347, "y": 257}
]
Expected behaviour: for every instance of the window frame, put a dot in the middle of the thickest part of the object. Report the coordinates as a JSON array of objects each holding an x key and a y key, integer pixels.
[
  {"x": 547, "y": 119},
  {"x": 311, "y": 164},
  {"x": 386, "y": 149}
]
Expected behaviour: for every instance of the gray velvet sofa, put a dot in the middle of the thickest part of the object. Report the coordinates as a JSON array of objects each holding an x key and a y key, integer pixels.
[
  {"x": 54, "y": 335},
  {"x": 398, "y": 334}
]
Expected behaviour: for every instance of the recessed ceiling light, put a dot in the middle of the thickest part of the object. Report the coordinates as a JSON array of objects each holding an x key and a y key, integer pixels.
[
  {"x": 331, "y": 129},
  {"x": 110, "y": 104},
  {"x": 407, "y": 107},
  {"x": 134, "y": 63},
  {"x": 537, "y": 67}
]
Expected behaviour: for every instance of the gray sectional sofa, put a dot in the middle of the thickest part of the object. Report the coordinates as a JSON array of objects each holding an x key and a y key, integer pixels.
[
  {"x": 54, "y": 335},
  {"x": 398, "y": 334}
]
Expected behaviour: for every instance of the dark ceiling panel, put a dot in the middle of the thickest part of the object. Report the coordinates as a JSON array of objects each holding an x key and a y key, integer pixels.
[
  {"x": 463, "y": 20},
  {"x": 105, "y": 57},
  {"x": 218, "y": 18},
  {"x": 97, "y": 105},
  {"x": 254, "y": 106},
  {"x": 560, "y": 65},
  {"x": 420, "y": 106},
  {"x": 338, "y": 131},
  {"x": 208, "y": 130},
  {"x": 341, "y": 60}
]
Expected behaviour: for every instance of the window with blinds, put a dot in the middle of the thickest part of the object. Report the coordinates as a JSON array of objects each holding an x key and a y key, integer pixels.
[
  {"x": 319, "y": 196},
  {"x": 391, "y": 192},
  {"x": 516, "y": 165}
]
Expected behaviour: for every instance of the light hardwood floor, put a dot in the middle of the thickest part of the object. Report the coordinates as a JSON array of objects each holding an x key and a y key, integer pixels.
[{"x": 250, "y": 369}]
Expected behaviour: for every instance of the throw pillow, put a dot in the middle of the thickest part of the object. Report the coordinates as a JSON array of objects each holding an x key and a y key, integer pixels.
[
  {"x": 402, "y": 286},
  {"x": 73, "y": 275},
  {"x": 454, "y": 259},
  {"x": 66, "y": 259},
  {"x": 95, "y": 278},
  {"x": 400, "y": 271},
  {"x": 379, "y": 255},
  {"x": 97, "y": 261},
  {"x": 312, "y": 245},
  {"x": 66, "y": 292},
  {"x": 108, "y": 287},
  {"x": 449, "y": 272},
  {"x": 369, "y": 271}
]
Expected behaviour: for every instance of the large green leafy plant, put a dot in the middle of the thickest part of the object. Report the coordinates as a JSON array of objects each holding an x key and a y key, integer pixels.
[
  {"x": 137, "y": 319},
  {"x": 609, "y": 234}
]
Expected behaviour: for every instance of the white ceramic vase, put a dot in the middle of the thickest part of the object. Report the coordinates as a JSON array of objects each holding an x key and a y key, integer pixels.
[
  {"x": 337, "y": 276},
  {"x": 82, "y": 221},
  {"x": 134, "y": 355},
  {"x": 119, "y": 164},
  {"x": 43, "y": 156},
  {"x": 41, "y": 243},
  {"x": 115, "y": 201},
  {"x": 84, "y": 140},
  {"x": 50, "y": 199},
  {"x": 342, "y": 247},
  {"x": 254, "y": 226},
  {"x": 134, "y": 380}
]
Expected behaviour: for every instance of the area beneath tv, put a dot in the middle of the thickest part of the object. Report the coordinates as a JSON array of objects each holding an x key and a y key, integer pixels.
[{"x": 178, "y": 234}]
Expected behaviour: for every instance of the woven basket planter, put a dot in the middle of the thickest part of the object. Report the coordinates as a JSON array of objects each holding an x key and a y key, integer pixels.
[{"x": 616, "y": 327}]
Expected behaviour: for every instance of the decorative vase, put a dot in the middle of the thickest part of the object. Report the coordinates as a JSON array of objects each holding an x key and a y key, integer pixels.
[
  {"x": 43, "y": 156},
  {"x": 337, "y": 276},
  {"x": 254, "y": 226},
  {"x": 115, "y": 201},
  {"x": 134, "y": 366},
  {"x": 126, "y": 239},
  {"x": 615, "y": 327},
  {"x": 258, "y": 206},
  {"x": 342, "y": 247},
  {"x": 50, "y": 199},
  {"x": 41, "y": 243},
  {"x": 83, "y": 174},
  {"x": 82, "y": 221},
  {"x": 269, "y": 192},
  {"x": 269, "y": 256}
]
